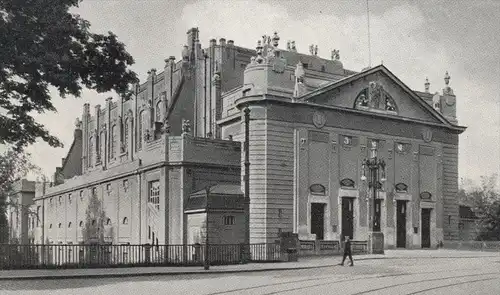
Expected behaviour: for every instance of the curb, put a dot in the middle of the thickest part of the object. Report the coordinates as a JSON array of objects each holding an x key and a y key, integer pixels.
[{"x": 204, "y": 272}]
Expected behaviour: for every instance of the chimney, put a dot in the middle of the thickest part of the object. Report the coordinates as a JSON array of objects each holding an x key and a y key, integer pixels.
[
  {"x": 230, "y": 43},
  {"x": 222, "y": 42}
]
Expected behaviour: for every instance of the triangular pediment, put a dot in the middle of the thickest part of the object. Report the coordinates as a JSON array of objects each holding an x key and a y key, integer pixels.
[{"x": 377, "y": 91}]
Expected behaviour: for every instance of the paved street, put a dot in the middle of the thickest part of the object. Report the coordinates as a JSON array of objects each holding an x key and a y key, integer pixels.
[{"x": 421, "y": 274}]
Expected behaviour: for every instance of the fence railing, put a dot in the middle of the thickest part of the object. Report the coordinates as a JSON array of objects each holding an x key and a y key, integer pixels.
[{"x": 92, "y": 256}]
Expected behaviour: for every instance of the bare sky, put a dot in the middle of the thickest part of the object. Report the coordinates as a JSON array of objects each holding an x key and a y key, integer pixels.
[{"x": 414, "y": 39}]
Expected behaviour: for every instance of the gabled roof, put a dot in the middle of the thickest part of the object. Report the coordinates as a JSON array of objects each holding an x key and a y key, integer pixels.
[{"x": 380, "y": 68}]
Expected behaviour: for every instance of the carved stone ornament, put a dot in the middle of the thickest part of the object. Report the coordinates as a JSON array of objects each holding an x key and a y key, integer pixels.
[
  {"x": 426, "y": 196},
  {"x": 186, "y": 126},
  {"x": 375, "y": 97},
  {"x": 427, "y": 135},
  {"x": 319, "y": 119}
]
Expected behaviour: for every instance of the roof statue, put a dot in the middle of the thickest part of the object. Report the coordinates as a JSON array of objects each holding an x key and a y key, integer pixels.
[
  {"x": 186, "y": 126},
  {"x": 427, "y": 84},
  {"x": 294, "y": 49},
  {"x": 335, "y": 54},
  {"x": 276, "y": 39},
  {"x": 288, "y": 45},
  {"x": 447, "y": 89}
]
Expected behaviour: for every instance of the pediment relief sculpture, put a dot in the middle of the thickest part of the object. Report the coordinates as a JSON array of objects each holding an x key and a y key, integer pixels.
[{"x": 374, "y": 97}]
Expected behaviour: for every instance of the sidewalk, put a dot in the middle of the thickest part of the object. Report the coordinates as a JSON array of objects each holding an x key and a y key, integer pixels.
[{"x": 303, "y": 263}]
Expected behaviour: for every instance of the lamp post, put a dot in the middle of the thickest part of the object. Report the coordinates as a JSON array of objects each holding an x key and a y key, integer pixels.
[
  {"x": 376, "y": 171},
  {"x": 246, "y": 246},
  {"x": 206, "y": 260}
]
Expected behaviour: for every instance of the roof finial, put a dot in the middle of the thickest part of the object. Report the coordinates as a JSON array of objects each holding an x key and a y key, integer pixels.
[{"x": 427, "y": 84}]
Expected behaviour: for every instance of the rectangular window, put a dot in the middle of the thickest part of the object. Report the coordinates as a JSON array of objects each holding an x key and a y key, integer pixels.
[
  {"x": 229, "y": 220},
  {"x": 154, "y": 193}
]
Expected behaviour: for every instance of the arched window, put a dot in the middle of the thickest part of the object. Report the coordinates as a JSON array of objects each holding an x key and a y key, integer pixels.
[
  {"x": 59, "y": 225},
  {"x": 50, "y": 226},
  {"x": 93, "y": 222},
  {"x": 38, "y": 215},
  {"x": 158, "y": 111},
  {"x": 112, "y": 146},
  {"x": 90, "y": 151},
  {"x": 125, "y": 134},
  {"x": 125, "y": 220},
  {"x": 69, "y": 225},
  {"x": 80, "y": 224},
  {"x": 102, "y": 144},
  {"x": 140, "y": 129},
  {"x": 108, "y": 222}
]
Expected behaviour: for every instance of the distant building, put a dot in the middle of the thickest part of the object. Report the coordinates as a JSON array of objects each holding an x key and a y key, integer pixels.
[
  {"x": 134, "y": 163},
  {"x": 20, "y": 212}
]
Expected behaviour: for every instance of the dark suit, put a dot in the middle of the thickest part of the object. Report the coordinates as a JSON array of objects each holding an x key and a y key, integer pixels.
[{"x": 347, "y": 252}]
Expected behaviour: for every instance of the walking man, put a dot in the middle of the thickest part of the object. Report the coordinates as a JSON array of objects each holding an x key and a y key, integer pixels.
[{"x": 347, "y": 251}]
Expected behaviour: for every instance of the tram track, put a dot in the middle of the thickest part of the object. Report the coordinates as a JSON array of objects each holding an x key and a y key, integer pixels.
[{"x": 329, "y": 282}]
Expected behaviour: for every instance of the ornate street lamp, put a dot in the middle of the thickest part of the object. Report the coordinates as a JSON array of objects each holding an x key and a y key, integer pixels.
[
  {"x": 206, "y": 264},
  {"x": 375, "y": 168}
]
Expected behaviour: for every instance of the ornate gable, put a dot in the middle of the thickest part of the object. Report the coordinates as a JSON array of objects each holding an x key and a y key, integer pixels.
[{"x": 377, "y": 90}]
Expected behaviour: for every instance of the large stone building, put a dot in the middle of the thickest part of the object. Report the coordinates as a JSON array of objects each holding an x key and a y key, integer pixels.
[{"x": 312, "y": 122}]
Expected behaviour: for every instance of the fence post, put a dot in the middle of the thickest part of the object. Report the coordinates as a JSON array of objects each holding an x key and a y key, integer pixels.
[{"x": 147, "y": 253}]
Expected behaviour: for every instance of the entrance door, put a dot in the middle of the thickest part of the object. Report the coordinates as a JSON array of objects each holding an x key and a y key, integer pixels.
[
  {"x": 426, "y": 228},
  {"x": 401, "y": 224},
  {"x": 318, "y": 220},
  {"x": 378, "y": 210},
  {"x": 347, "y": 217}
]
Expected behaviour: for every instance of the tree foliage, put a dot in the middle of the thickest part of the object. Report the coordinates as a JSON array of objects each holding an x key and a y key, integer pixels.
[
  {"x": 43, "y": 45},
  {"x": 485, "y": 202},
  {"x": 13, "y": 167}
]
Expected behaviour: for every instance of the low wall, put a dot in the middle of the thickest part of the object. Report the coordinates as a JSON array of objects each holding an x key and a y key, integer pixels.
[
  {"x": 472, "y": 245},
  {"x": 317, "y": 248}
]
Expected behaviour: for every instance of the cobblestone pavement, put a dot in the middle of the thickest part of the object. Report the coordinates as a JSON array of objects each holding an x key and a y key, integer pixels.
[{"x": 419, "y": 275}]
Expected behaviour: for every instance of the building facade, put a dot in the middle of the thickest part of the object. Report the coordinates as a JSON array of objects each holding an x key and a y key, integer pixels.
[{"x": 312, "y": 122}]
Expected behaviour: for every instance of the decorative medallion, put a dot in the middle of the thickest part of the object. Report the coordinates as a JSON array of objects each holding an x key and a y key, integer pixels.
[
  {"x": 399, "y": 147},
  {"x": 346, "y": 182},
  {"x": 317, "y": 189},
  {"x": 427, "y": 135},
  {"x": 401, "y": 188},
  {"x": 426, "y": 196},
  {"x": 347, "y": 140},
  {"x": 319, "y": 119}
]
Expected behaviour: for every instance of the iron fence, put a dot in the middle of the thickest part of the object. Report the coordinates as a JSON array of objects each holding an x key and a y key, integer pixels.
[{"x": 98, "y": 255}]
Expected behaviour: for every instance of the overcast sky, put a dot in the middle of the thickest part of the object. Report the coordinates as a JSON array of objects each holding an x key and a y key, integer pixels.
[{"x": 414, "y": 39}]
